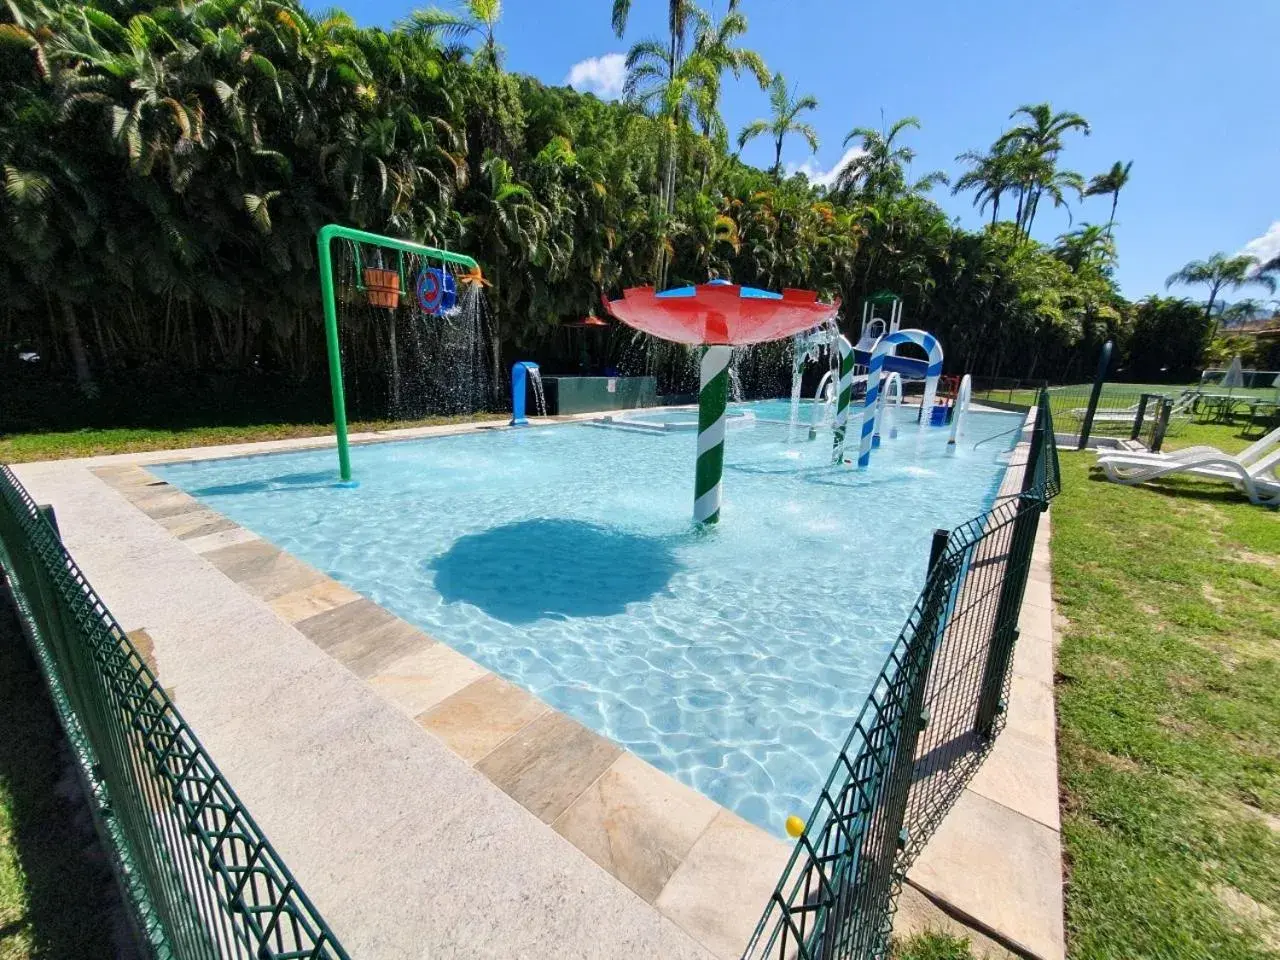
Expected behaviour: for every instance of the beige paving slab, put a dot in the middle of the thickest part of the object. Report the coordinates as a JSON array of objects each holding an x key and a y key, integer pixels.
[
  {"x": 363, "y": 636},
  {"x": 166, "y": 503},
  {"x": 302, "y": 604},
  {"x": 477, "y": 719},
  {"x": 1001, "y": 868},
  {"x": 718, "y": 893},
  {"x": 243, "y": 561},
  {"x": 1021, "y": 773},
  {"x": 425, "y": 676},
  {"x": 1034, "y": 660},
  {"x": 366, "y": 654},
  {"x": 1039, "y": 594},
  {"x": 1030, "y": 707},
  {"x": 196, "y": 523},
  {"x": 125, "y": 475},
  {"x": 549, "y": 763},
  {"x": 223, "y": 538},
  {"x": 263, "y": 569},
  {"x": 342, "y": 621},
  {"x": 637, "y": 823}
]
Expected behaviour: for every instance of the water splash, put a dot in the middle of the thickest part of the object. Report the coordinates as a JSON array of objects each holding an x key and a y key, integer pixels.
[{"x": 539, "y": 397}]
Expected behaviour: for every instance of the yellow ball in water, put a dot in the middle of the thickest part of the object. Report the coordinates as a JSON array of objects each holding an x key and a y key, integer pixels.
[{"x": 795, "y": 826}]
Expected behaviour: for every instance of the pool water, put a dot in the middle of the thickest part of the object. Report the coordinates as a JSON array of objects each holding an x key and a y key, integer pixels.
[{"x": 564, "y": 558}]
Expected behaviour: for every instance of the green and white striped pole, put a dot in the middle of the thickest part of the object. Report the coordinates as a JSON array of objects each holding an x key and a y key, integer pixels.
[
  {"x": 713, "y": 394},
  {"x": 844, "y": 399}
]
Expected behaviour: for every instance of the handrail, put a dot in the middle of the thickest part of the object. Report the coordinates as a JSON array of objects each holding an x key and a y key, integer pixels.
[
  {"x": 819, "y": 405},
  {"x": 324, "y": 238}
]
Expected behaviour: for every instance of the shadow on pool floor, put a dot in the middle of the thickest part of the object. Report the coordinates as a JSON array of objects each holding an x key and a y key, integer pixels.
[{"x": 553, "y": 569}]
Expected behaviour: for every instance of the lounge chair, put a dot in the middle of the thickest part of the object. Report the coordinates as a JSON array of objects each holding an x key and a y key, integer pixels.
[
  {"x": 1257, "y": 480},
  {"x": 1251, "y": 453}
]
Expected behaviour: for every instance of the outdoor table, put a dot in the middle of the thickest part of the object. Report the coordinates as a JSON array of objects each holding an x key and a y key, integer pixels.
[
  {"x": 1264, "y": 415},
  {"x": 1220, "y": 407}
]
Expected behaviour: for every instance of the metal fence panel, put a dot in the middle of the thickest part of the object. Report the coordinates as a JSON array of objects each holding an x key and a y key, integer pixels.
[
  {"x": 931, "y": 719},
  {"x": 200, "y": 877}
]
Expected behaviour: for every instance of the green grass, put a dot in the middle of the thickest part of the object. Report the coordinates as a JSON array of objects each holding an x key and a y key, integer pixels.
[
  {"x": 1169, "y": 715},
  {"x": 52, "y": 896},
  {"x": 89, "y": 442},
  {"x": 932, "y": 946}
]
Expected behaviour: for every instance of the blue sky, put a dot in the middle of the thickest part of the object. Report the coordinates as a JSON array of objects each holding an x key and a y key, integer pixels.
[{"x": 1186, "y": 89}]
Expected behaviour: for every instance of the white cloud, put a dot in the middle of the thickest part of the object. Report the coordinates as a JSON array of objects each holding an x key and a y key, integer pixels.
[
  {"x": 603, "y": 75},
  {"x": 824, "y": 178},
  {"x": 1267, "y": 246}
]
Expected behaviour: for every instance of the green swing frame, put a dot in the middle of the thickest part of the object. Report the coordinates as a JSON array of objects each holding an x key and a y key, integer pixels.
[{"x": 324, "y": 239}]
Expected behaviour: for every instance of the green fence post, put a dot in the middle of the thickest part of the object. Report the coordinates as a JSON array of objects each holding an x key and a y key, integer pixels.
[
  {"x": 1142, "y": 414},
  {"x": 1162, "y": 425},
  {"x": 46, "y": 511},
  {"x": 1099, "y": 378}
]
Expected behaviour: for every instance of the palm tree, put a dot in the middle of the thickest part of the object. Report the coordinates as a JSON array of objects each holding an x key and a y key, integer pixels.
[
  {"x": 717, "y": 44},
  {"x": 1220, "y": 272},
  {"x": 472, "y": 18},
  {"x": 787, "y": 107},
  {"x": 1036, "y": 144},
  {"x": 991, "y": 176},
  {"x": 1111, "y": 182},
  {"x": 1087, "y": 246},
  {"x": 880, "y": 170},
  {"x": 679, "y": 15}
]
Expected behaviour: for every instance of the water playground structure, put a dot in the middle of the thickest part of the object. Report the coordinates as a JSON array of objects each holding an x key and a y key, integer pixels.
[
  {"x": 716, "y": 317},
  {"x": 432, "y": 295},
  {"x": 435, "y": 295},
  {"x": 874, "y": 367}
]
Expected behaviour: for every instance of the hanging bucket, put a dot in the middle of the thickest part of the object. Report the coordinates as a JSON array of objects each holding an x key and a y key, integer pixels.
[{"x": 382, "y": 287}]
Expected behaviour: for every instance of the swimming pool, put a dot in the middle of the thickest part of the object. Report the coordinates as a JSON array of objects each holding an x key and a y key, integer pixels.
[{"x": 564, "y": 558}]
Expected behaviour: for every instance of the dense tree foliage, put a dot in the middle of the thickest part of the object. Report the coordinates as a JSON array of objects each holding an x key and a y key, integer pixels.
[{"x": 166, "y": 168}]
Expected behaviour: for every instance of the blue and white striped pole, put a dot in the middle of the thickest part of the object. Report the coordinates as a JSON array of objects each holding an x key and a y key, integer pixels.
[{"x": 874, "y": 368}]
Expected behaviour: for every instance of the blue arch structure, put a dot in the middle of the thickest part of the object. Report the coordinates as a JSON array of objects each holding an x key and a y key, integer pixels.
[{"x": 883, "y": 349}]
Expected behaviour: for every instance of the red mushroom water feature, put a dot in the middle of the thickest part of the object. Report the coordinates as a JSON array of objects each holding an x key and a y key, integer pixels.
[{"x": 717, "y": 316}]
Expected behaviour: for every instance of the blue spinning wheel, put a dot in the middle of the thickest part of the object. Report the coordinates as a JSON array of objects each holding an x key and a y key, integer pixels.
[{"x": 437, "y": 291}]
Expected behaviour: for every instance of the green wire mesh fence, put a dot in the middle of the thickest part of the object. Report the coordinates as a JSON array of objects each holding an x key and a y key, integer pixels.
[
  {"x": 200, "y": 877},
  {"x": 931, "y": 720}
]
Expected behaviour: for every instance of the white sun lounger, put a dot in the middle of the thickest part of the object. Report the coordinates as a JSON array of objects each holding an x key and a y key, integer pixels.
[
  {"x": 1257, "y": 480},
  {"x": 1255, "y": 451}
]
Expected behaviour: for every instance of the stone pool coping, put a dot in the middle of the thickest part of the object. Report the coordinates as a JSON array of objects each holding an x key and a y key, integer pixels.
[{"x": 670, "y": 873}]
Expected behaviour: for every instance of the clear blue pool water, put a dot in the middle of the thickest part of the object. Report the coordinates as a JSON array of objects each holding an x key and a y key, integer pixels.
[{"x": 564, "y": 559}]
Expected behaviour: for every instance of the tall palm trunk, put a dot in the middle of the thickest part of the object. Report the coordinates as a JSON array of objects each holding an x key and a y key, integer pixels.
[
  {"x": 1115, "y": 198},
  {"x": 79, "y": 356}
]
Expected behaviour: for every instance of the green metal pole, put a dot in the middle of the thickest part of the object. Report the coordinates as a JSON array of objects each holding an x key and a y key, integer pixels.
[
  {"x": 324, "y": 238},
  {"x": 1099, "y": 378}
]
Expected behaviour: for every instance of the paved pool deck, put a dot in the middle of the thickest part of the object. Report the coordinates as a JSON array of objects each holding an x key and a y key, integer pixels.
[{"x": 430, "y": 808}]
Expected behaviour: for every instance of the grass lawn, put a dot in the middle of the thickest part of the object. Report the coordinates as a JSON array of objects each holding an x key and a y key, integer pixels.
[
  {"x": 1168, "y": 693},
  {"x": 25, "y": 447},
  {"x": 51, "y": 894}
]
